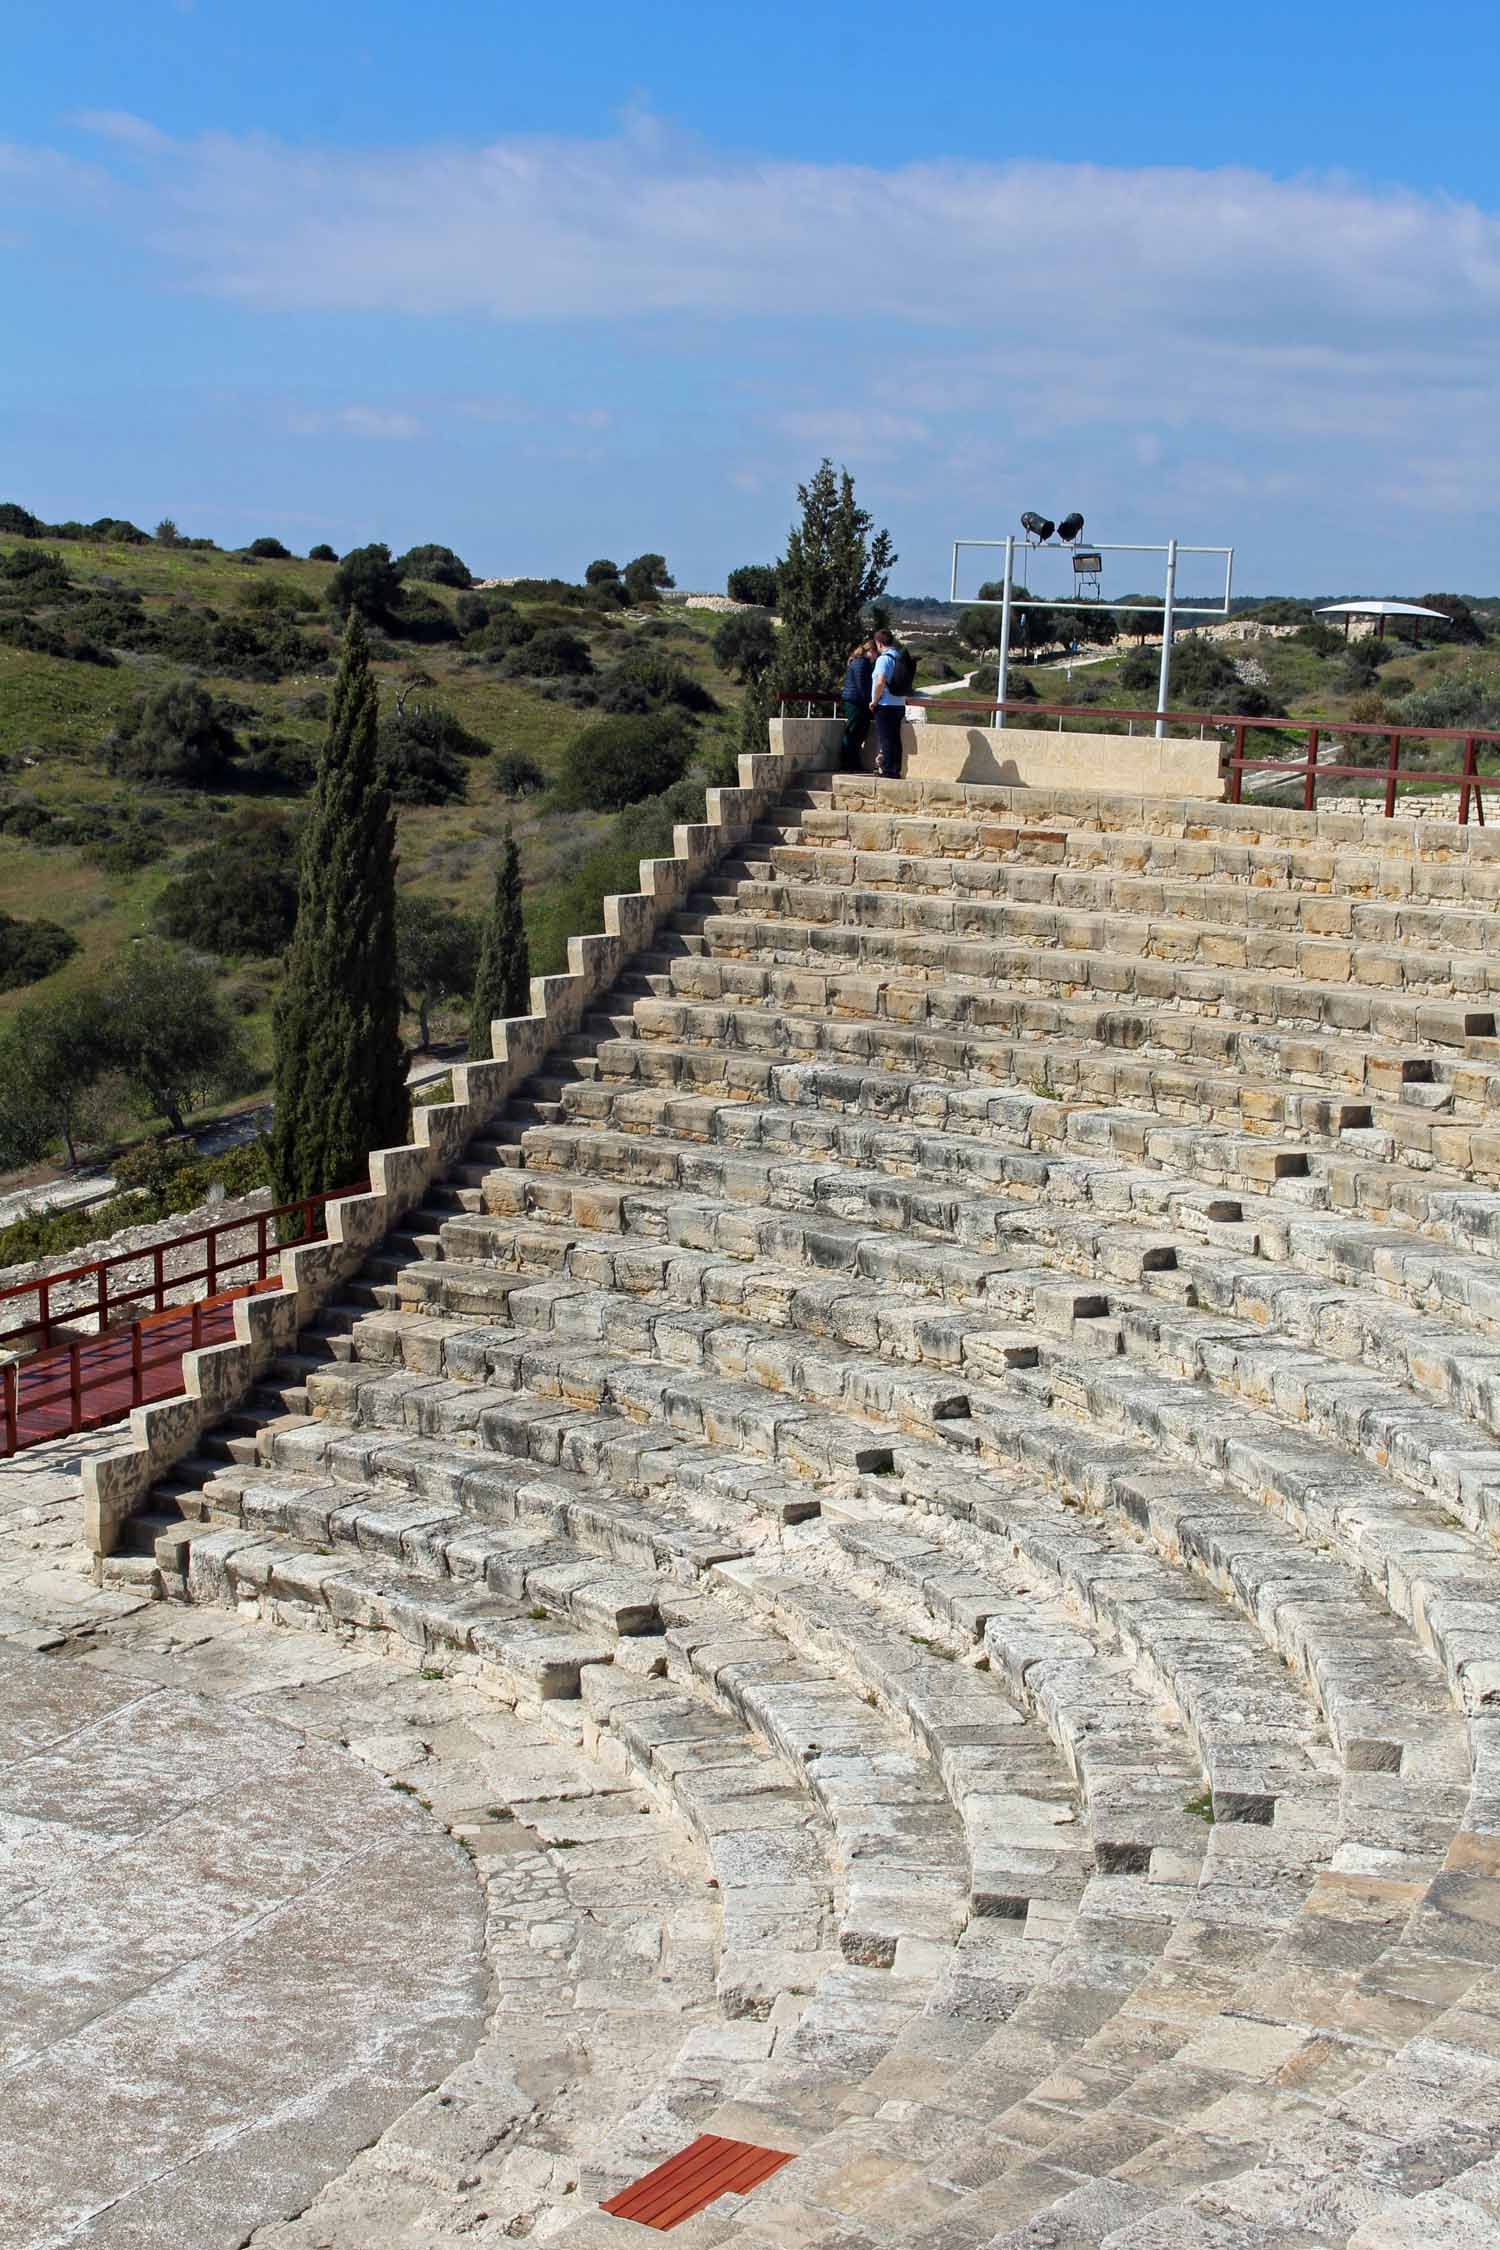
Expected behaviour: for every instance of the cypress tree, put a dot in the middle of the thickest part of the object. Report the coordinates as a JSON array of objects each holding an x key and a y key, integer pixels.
[
  {"x": 340, "y": 1069},
  {"x": 836, "y": 563},
  {"x": 503, "y": 984}
]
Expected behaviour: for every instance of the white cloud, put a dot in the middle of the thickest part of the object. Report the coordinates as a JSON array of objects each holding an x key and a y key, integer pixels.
[
  {"x": 1011, "y": 304},
  {"x": 853, "y": 433},
  {"x": 125, "y": 128},
  {"x": 530, "y": 228},
  {"x": 357, "y": 422}
]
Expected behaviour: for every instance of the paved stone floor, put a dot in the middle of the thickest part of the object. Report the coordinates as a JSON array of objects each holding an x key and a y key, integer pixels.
[{"x": 299, "y": 1946}]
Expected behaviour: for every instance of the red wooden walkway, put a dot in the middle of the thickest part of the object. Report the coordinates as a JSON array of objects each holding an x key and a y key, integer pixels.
[
  {"x": 98, "y": 1380},
  {"x": 708, "y": 2167},
  {"x": 95, "y": 1379}
]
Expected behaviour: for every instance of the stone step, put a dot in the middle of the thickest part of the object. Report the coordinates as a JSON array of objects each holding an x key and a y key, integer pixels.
[
  {"x": 970, "y": 1375},
  {"x": 823, "y": 1109},
  {"x": 1226, "y": 942},
  {"x": 1321, "y": 1615},
  {"x": 1423, "y": 926},
  {"x": 1333, "y": 1391},
  {"x": 822, "y": 1445},
  {"x": 1445, "y": 1064},
  {"x": 1411, "y": 1556},
  {"x": 1461, "y": 867},
  {"x": 1372, "y": 1296},
  {"x": 1388, "y": 995},
  {"x": 523, "y": 1655},
  {"x": 711, "y": 1048},
  {"x": 903, "y": 1876},
  {"x": 1329, "y": 829}
]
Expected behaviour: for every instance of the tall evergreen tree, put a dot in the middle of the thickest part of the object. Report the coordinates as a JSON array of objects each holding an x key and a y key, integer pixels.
[
  {"x": 835, "y": 565},
  {"x": 503, "y": 984},
  {"x": 340, "y": 1071}
]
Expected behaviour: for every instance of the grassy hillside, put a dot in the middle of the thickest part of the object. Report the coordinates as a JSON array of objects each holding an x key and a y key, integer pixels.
[{"x": 92, "y": 850}]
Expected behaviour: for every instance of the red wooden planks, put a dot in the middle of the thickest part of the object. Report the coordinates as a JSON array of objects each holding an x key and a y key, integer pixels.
[
  {"x": 709, "y": 2166},
  {"x": 44, "y": 1392}
]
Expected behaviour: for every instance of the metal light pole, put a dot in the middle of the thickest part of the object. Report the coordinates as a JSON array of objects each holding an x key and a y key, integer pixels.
[
  {"x": 1002, "y": 668},
  {"x": 1164, "y": 681}
]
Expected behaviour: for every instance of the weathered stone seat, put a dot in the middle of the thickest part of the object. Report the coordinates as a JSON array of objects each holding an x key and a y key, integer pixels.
[{"x": 973, "y": 1375}]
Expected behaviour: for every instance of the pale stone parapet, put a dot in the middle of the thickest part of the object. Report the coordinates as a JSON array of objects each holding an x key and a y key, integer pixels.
[{"x": 1040, "y": 758}]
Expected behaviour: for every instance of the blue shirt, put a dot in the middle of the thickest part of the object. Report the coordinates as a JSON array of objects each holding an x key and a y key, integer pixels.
[
  {"x": 885, "y": 664},
  {"x": 857, "y": 680}
]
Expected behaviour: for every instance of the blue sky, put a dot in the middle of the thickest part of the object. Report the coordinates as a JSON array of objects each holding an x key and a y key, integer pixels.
[{"x": 548, "y": 285}]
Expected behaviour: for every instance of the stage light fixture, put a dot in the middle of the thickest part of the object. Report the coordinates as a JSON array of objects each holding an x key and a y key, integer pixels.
[
  {"x": 1070, "y": 527},
  {"x": 1040, "y": 527}
]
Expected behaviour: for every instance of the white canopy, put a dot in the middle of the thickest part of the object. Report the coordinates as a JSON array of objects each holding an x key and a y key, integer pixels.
[{"x": 1379, "y": 609}]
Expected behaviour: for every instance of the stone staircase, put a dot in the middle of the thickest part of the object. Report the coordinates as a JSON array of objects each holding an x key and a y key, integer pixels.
[{"x": 975, "y": 1378}]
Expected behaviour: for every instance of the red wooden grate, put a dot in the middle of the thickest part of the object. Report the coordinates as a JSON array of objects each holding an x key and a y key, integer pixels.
[{"x": 709, "y": 2166}]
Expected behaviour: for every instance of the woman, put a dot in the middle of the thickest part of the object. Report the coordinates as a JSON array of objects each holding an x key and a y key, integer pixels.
[{"x": 858, "y": 676}]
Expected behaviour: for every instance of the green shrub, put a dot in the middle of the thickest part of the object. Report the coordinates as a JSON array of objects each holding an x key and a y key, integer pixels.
[
  {"x": 36, "y": 569},
  {"x": 237, "y": 894},
  {"x": 754, "y": 583},
  {"x": 746, "y": 645},
  {"x": 646, "y": 577},
  {"x": 322, "y": 553},
  {"x": 1464, "y": 699},
  {"x": 421, "y": 754},
  {"x": 422, "y": 617},
  {"x": 180, "y": 734},
  {"x": 648, "y": 679},
  {"x": 438, "y": 565},
  {"x": 268, "y": 550},
  {"x": 117, "y": 531},
  {"x": 366, "y": 580},
  {"x": 272, "y": 597},
  {"x": 1323, "y": 640},
  {"x": 474, "y": 611},
  {"x": 155, "y": 1180},
  {"x": 31, "y": 950},
  {"x": 42, "y": 638},
  {"x": 517, "y": 774},
  {"x": 417, "y": 768},
  {"x": 1203, "y": 679},
  {"x": 551, "y": 653},
  {"x": 1462, "y": 624},
  {"x": 619, "y": 761}
]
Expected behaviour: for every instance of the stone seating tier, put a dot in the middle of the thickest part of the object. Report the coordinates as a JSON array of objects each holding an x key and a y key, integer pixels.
[{"x": 973, "y": 1377}]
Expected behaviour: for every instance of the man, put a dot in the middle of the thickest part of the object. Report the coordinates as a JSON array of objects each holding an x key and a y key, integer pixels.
[
  {"x": 887, "y": 708},
  {"x": 858, "y": 684}
]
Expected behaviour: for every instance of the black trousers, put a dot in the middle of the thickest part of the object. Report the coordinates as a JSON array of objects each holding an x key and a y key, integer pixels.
[
  {"x": 856, "y": 728},
  {"x": 888, "y": 717}
]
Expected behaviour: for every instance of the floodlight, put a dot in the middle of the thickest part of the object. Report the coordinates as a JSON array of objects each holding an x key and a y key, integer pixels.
[
  {"x": 1040, "y": 527},
  {"x": 1070, "y": 527}
]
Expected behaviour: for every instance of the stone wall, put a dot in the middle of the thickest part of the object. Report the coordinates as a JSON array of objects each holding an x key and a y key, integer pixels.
[{"x": 1039, "y": 758}]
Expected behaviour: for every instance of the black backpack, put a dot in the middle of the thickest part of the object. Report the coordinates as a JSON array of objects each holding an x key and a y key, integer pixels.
[{"x": 903, "y": 673}]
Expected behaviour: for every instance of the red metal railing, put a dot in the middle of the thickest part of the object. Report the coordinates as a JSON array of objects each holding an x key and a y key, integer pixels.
[
  {"x": 1312, "y": 767},
  {"x": 97, "y": 1378}
]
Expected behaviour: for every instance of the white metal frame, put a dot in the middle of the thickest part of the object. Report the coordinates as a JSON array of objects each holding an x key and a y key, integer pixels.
[{"x": 1170, "y": 609}]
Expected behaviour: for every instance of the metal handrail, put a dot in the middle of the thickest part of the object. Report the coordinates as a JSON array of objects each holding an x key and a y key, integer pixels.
[
  {"x": 310, "y": 1209},
  {"x": 86, "y": 1366},
  {"x": 1468, "y": 779}
]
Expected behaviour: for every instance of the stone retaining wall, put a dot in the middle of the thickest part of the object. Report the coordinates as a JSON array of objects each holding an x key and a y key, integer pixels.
[
  {"x": 1039, "y": 758},
  {"x": 217, "y": 1378}
]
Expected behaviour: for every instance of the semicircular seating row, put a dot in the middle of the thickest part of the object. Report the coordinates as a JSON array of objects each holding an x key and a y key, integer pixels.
[{"x": 977, "y": 1376}]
